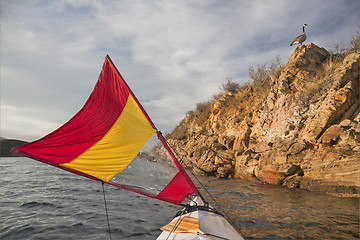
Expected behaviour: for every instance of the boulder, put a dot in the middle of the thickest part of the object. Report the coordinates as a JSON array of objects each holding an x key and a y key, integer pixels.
[
  {"x": 331, "y": 135},
  {"x": 268, "y": 174}
]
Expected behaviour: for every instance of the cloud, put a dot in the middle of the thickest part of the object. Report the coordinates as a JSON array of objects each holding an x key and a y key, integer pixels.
[
  {"x": 22, "y": 123},
  {"x": 173, "y": 54}
]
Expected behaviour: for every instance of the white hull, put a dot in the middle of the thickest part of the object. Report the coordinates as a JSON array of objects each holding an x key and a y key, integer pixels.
[{"x": 212, "y": 224}]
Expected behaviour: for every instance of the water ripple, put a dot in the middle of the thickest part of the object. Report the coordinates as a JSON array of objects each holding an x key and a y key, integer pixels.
[{"x": 43, "y": 202}]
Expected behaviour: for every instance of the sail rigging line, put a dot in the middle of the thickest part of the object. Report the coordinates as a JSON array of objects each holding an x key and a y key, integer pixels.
[
  {"x": 179, "y": 161},
  {"x": 192, "y": 200},
  {"x": 106, "y": 210},
  {"x": 173, "y": 229},
  {"x": 176, "y": 161},
  {"x": 202, "y": 185},
  {"x": 197, "y": 179}
]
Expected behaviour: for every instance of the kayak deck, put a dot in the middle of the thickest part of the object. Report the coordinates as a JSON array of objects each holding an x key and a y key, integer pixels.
[{"x": 209, "y": 225}]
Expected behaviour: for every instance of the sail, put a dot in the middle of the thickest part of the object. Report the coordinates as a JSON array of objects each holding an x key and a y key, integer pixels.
[{"x": 112, "y": 139}]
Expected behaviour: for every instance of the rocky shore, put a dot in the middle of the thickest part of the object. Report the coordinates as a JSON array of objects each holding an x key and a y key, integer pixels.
[{"x": 306, "y": 133}]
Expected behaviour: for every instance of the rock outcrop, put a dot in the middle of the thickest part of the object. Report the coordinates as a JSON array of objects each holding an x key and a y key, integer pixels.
[{"x": 306, "y": 134}]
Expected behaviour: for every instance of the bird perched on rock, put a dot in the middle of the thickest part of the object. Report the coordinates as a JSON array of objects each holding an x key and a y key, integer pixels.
[{"x": 300, "y": 39}]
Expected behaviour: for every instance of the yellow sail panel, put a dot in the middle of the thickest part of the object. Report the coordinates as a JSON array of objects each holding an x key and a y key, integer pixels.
[{"x": 118, "y": 147}]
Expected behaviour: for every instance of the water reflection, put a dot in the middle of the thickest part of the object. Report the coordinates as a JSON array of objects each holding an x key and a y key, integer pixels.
[{"x": 271, "y": 212}]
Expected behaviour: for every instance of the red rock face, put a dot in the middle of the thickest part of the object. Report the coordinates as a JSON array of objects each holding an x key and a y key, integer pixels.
[{"x": 269, "y": 175}]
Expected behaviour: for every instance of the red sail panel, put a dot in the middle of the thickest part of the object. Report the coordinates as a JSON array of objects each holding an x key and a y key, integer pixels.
[
  {"x": 88, "y": 126},
  {"x": 104, "y": 138},
  {"x": 175, "y": 190},
  {"x": 182, "y": 172}
]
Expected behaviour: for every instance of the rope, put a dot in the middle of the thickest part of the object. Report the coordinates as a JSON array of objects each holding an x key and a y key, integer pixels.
[
  {"x": 176, "y": 224},
  {"x": 107, "y": 215}
]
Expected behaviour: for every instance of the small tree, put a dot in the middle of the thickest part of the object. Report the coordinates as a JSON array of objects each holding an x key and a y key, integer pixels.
[
  {"x": 355, "y": 42},
  {"x": 230, "y": 86},
  {"x": 262, "y": 74}
]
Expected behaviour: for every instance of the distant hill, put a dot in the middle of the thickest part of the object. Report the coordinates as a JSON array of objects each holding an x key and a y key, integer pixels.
[{"x": 7, "y": 144}]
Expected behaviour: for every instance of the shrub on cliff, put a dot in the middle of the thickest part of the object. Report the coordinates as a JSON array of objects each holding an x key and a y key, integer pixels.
[
  {"x": 230, "y": 86},
  {"x": 201, "y": 114},
  {"x": 251, "y": 95},
  {"x": 198, "y": 117},
  {"x": 355, "y": 42},
  {"x": 179, "y": 132}
]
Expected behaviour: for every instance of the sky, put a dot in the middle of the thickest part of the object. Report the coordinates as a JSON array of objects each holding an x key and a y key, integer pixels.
[{"x": 173, "y": 54}]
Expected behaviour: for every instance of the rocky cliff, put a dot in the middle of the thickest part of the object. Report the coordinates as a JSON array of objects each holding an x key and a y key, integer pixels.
[{"x": 305, "y": 133}]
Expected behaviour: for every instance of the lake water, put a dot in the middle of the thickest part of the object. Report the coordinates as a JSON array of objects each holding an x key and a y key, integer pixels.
[{"x": 42, "y": 202}]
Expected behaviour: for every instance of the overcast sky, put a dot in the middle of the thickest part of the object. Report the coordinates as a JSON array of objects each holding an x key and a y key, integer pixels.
[{"x": 173, "y": 54}]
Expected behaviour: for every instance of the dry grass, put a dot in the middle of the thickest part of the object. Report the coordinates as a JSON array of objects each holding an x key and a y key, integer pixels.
[
  {"x": 202, "y": 113},
  {"x": 322, "y": 83},
  {"x": 251, "y": 95},
  {"x": 179, "y": 132},
  {"x": 323, "y": 80}
]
